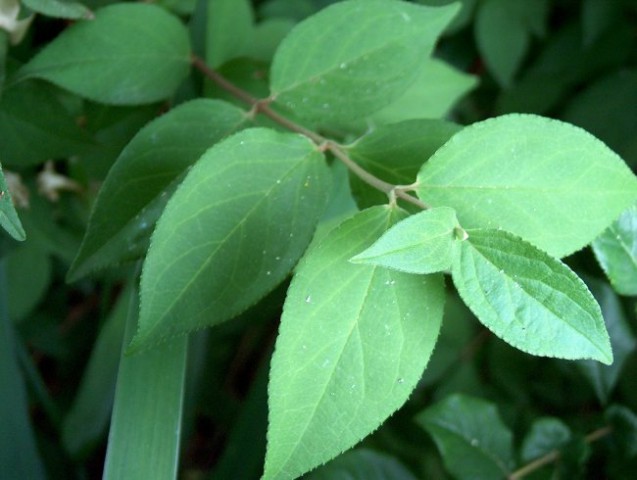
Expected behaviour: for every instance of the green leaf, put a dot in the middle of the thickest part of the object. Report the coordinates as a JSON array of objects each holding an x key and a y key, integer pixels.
[
  {"x": 501, "y": 38},
  {"x": 233, "y": 230},
  {"x": 395, "y": 153},
  {"x": 87, "y": 419},
  {"x": 9, "y": 219},
  {"x": 603, "y": 378},
  {"x": 616, "y": 251},
  {"x": 59, "y": 8},
  {"x": 19, "y": 456},
  {"x": 437, "y": 88},
  {"x": 529, "y": 299},
  {"x": 473, "y": 441},
  {"x": 147, "y": 171},
  {"x": 624, "y": 424},
  {"x": 362, "y": 464},
  {"x": 331, "y": 68},
  {"x": 30, "y": 139},
  {"x": 139, "y": 54},
  {"x": 229, "y": 30},
  {"x": 353, "y": 343},
  {"x": 597, "y": 17},
  {"x": 29, "y": 268},
  {"x": 145, "y": 431},
  {"x": 549, "y": 182},
  {"x": 546, "y": 434},
  {"x": 419, "y": 244}
]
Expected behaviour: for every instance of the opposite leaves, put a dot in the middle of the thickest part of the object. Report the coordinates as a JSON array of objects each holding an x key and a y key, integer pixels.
[
  {"x": 231, "y": 232},
  {"x": 528, "y": 298},
  {"x": 354, "y": 57},
  {"x": 549, "y": 182},
  {"x": 353, "y": 343}
]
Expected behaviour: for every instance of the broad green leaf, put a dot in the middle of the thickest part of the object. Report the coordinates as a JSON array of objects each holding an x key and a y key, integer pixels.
[
  {"x": 145, "y": 430},
  {"x": 437, "y": 88},
  {"x": 59, "y": 8},
  {"x": 87, "y": 419},
  {"x": 419, "y": 244},
  {"x": 229, "y": 30},
  {"x": 9, "y": 219},
  {"x": 529, "y": 299},
  {"x": 502, "y": 38},
  {"x": 362, "y": 464},
  {"x": 603, "y": 378},
  {"x": 354, "y": 57},
  {"x": 545, "y": 435},
  {"x": 29, "y": 139},
  {"x": 472, "y": 439},
  {"x": 395, "y": 153},
  {"x": 147, "y": 171},
  {"x": 139, "y": 53},
  {"x": 233, "y": 231},
  {"x": 19, "y": 456},
  {"x": 616, "y": 251},
  {"x": 353, "y": 343},
  {"x": 549, "y": 182},
  {"x": 268, "y": 35}
]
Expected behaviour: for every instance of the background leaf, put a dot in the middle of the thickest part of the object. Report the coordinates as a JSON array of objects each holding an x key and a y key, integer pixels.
[
  {"x": 146, "y": 422},
  {"x": 146, "y": 173},
  {"x": 470, "y": 429},
  {"x": 419, "y": 244},
  {"x": 329, "y": 68},
  {"x": 59, "y": 8},
  {"x": 616, "y": 251},
  {"x": 549, "y": 182},
  {"x": 229, "y": 30},
  {"x": 139, "y": 53},
  {"x": 395, "y": 152},
  {"x": 362, "y": 464},
  {"x": 9, "y": 219},
  {"x": 529, "y": 299},
  {"x": 545, "y": 435},
  {"x": 233, "y": 230},
  {"x": 353, "y": 343}
]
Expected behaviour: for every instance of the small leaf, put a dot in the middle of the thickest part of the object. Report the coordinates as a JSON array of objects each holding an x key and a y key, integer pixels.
[
  {"x": 229, "y": 30},
  {"x": 624, "y": 424},
  {"x": 395, "y": 152},
  {"x": 502, "y": 38},
  {"x": 546, "y": 435},
  {"x": 549, "y": 182},
  {"x": 529, "y": 299},
  {"x": 616, "y": 251},
  {"x": 362, "y": 464},
  {"x": 329, "y": 68},
  {"x": 9, "y": 219},
  {"x": 473, "y": 441},
  {"x": 59, "y": 8},
  {"x": 231, "y": 232},
  {"x": 131, "y": 53},
  {"x": 419, "y": 244},
  {"x": 147, "y": 171},
  {"x": 353, "y": 343},
  {"x": 603, "y": 378}
]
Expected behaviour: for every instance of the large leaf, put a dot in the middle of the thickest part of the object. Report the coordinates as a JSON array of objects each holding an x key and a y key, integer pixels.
[
  {"x": 395, "y": 152},
  {"x": 29, "y": 139},
  {"x": 233, "y": 230},
  {"x": 147, "y": 171},
  {"x": 528, "y": 298},
  {"x": 354, "y": 57},
  {"x": 472, "y": 439},
  {"x": 131, "y": 53},
  {"x": 9, "y": 219},
  {"x": 549, "y": 182},
  {"x": 616, "y": 251},
  {"x": 145, "y": 432},
  {"x": 353, "y": 343},
  {"x": 419, "y": 244}
]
